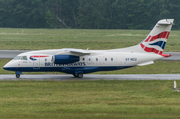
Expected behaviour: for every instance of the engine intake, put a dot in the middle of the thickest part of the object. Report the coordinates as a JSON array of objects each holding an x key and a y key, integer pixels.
[{"x": 65, "y": 59}]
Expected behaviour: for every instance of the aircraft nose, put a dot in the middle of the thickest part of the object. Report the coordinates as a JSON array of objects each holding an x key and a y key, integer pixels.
[{"x": 6, "y": 66}]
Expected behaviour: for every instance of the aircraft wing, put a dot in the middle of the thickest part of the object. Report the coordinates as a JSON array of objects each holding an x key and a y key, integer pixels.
[
  {"x": 80, "y": 51},
  {"x": 77, "y": 52}
]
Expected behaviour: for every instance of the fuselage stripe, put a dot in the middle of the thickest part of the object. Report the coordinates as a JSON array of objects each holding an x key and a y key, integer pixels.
[{"x": 39, "y": 56}]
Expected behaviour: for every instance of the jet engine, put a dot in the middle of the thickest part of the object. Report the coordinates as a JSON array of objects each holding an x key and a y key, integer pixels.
[{"x": 65, "y": 59}]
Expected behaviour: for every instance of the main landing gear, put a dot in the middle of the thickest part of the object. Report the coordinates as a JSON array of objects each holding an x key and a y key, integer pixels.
[
  {"x": 78, "y": 74},
  {"x": 18, "y": 74}
]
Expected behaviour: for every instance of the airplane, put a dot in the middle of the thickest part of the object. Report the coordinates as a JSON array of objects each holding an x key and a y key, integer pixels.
[{"x": 79, "y": 61}]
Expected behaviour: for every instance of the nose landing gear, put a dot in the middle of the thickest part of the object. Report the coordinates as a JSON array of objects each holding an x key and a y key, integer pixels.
[{"x": 18, "y": 74}]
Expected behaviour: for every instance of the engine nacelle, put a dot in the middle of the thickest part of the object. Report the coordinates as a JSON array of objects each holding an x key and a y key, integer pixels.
[{"x": 65, "y": 59}]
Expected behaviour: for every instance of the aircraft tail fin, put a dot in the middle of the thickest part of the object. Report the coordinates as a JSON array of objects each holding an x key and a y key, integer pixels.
[{"x": 157, "y": 38}]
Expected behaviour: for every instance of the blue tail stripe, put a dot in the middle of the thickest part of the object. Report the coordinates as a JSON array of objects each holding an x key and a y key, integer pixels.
[{"x": 160, "y": 44}]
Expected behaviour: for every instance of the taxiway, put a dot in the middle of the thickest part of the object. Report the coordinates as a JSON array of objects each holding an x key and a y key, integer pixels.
[{"x": 95, "y": 77}]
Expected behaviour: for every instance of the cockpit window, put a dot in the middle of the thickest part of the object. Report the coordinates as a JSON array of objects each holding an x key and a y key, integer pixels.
[
  {"x": 17, "y": 58},
  {"x": 24, "y": 58},
  {"x": 20, "y": 58}
]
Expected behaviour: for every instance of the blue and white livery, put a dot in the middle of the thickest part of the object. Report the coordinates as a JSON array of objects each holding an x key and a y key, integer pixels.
[{"x": 79, "y": 61}]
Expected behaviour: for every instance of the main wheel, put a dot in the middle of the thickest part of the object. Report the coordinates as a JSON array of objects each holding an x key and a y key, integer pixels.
[
  {"x": 17, "y": 75},
  {"x": 80, "y": 75}
]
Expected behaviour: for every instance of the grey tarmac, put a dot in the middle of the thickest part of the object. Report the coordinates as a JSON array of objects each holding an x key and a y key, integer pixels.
[
  {"x": 63, "y": 77},
  {"x": 10, "y": 53}
]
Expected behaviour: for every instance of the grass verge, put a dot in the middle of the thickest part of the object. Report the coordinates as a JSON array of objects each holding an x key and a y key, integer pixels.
[
  {"x": 89, "y": 99},
  {"x": 39, "y": 39}
]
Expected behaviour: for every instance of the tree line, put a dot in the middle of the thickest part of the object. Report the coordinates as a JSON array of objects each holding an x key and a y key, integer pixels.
[{"x": 87, "y": 14}]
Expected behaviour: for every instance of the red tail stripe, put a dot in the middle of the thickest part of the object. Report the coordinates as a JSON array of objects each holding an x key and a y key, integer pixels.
[
  {"x": 147, "y": 49},
  {"x": 142, "y": 45},
  {"x": 164, "y": 34},
  {"x": 147, "y": 39},
  {"x": 167, "y": 35},
  {"x": 152, "y": 50},
  {"x": 156, "y": 51}
]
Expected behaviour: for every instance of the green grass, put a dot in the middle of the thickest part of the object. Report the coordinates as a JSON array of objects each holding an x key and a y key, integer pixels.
[
  {"x": 159, "y": 67},
  {"x": 89, "y": 99},
  {"x": 39, "y": 39}
]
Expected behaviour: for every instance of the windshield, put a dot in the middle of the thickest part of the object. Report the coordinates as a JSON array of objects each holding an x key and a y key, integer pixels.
[{"x": 20, "y": 58}]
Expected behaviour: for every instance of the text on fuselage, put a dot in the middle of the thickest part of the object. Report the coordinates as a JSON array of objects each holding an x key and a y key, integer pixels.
[
  {"x": 131, "y": 59},
  {"x": 50, "y": 64}
]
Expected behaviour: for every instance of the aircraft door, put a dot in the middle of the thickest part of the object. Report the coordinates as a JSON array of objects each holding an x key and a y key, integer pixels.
[{"x": 36, "y": 61}]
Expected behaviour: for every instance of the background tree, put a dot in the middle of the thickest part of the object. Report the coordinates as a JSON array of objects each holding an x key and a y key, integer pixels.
[{"x": 88, "y": 14}]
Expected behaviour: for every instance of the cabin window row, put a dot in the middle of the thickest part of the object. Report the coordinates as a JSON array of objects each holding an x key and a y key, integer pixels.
[{"x": 105, "y": 59}]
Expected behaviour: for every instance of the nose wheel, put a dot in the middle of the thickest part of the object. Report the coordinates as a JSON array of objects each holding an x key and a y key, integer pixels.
[{"x": 18, "y": 75}]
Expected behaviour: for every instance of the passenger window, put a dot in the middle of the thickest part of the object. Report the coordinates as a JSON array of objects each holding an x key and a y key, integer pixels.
[
  {"x": 89, "y": 59},
  {"x": 96, "y": 59},
  {"x": 105, "y": 59},
  {"x": 111, "y": 59}
]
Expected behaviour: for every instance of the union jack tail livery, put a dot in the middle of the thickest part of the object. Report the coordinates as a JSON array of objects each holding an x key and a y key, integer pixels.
[{"x": 157, "y": 38}]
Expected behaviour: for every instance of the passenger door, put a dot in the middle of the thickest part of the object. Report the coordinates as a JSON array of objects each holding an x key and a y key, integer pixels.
[{"x": 36, "y": 62}]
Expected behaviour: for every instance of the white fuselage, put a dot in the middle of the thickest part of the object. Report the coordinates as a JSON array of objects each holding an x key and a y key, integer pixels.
[{"x": 98, "y": 60}]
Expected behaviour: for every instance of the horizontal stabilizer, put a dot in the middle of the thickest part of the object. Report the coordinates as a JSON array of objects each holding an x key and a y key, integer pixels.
[
  {"x": 166, "y": 55},
  {"x": 166, "y": 22},
  {"x": 146, "y": 63}
]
